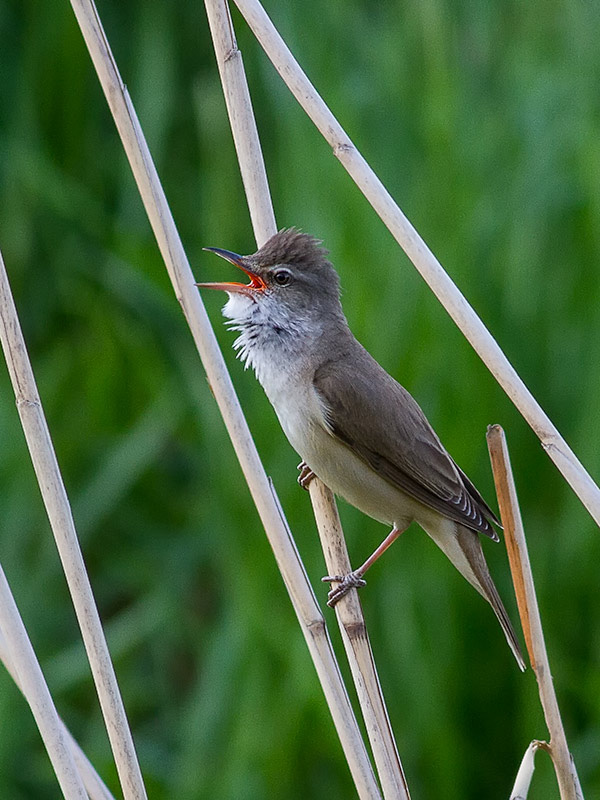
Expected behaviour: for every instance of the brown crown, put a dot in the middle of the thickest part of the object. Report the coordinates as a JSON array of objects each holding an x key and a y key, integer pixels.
[{"x": 291, "y": 246}]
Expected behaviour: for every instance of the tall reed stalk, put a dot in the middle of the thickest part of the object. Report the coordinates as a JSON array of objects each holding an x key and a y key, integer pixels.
[
  {"x": 58, "y": 508},
  {"x": 423, "y": 259},
  {"x": 348, "y": 611},
  {"x": 38, "y": 696},
  {"x": 69, "y": 762},
  {"x": 276, "y": 528},
  {"x": 520, "y": 567}
]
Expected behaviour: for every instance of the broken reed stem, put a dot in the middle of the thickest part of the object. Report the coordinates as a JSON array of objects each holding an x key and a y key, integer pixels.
[
  {"x": 520, "y": 567},
  {"x": 358, "y": 648},
  {"x": 256, "y": 185},
  {"x": 38, "y": 696},
  {"x": 522, "y": 782},
  {"x": 96, "y": 789},
  {"x": 288, "y": 560},
  {"x": 59, "y": 513},
  {"x": 415, "y": 248}
]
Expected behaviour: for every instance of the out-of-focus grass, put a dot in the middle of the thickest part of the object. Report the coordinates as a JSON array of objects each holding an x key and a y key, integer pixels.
[{"x": 483, "y": 120}]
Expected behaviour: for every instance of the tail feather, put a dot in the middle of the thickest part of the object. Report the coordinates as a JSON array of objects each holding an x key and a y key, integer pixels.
[
  {"x": 494, "y": 600},
  {"x": 463, "y": 548},
  {"x": 471, "y": 547}
]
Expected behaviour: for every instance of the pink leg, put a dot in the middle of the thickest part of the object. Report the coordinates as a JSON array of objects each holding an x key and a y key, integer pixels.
[{"x": 355, "y": 579}]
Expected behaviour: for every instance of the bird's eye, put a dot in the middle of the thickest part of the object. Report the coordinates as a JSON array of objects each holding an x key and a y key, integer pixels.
[{"x": 282, "y": 277}]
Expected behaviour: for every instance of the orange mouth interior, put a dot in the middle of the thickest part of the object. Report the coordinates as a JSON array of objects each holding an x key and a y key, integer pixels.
[{"x": 256, "y": 282}]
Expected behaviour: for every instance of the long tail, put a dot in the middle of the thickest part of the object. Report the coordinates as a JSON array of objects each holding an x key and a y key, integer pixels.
[{"x": 463, "y": 548}]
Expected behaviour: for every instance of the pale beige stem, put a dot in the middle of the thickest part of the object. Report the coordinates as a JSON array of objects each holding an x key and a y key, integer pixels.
[
  {"x": 347, "y": 728},
  {"x": 93, "y": 783},
  {"x": 520, "y": 567},
  {"x": 254, "y": 176},
  {"x": 407, "y": 237},
  {"x": 38, "y": 696},
  {"x": 177, "y": 265},
  {"x": 522, "y": 783},
  {"x": 242, "y": 120},
  {"x": 59, "y": 513},
  {"x": 358, "y": 648}
]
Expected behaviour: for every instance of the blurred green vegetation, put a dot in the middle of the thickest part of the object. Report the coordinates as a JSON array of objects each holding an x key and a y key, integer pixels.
[{"x": 483, "y": 120}]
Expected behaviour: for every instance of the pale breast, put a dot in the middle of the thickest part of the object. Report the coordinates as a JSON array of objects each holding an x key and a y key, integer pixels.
[{"x": 302, "y": 418}]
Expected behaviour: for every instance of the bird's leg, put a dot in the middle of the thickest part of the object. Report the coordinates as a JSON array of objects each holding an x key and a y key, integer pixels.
[
  {"x": 355, "y": 579},
  {"x": 306, "y": 475}
]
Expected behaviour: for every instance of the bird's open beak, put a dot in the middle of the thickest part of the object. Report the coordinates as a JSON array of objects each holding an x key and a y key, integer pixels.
[{"x": 256, "y": 282}]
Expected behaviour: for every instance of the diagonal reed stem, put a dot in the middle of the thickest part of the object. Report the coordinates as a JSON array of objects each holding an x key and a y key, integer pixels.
[
  {"x": 95, "y": 787},
  {"x": 522, "y": 575},
  {"x": 290, "y": 565},
  {"x": 59, "y": 513},
  {"x": 242, "y": 121},
  {"x": 38, "y": 696},
  {"x": 426, "y": 263},
  {"x": 358, "y": 647},
  {"x": 349, "y": 612}
]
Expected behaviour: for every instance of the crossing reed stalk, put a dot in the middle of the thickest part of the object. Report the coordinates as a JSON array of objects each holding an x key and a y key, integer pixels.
[
  {"x": 423, "y": 259},
  {"x": 59, "y": 513},
  {"x": 94, "y": 786},
  {"x": 349, "y": 612},
  {"x": 286, "y": 554},
  {"x": 38, "y": 696}
]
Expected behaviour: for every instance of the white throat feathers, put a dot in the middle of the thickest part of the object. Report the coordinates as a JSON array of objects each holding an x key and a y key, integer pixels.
[{"x": 270, "y": 340}]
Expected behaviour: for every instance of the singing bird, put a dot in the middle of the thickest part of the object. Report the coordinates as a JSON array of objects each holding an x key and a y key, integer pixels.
[{"x": 352, "y": 424}]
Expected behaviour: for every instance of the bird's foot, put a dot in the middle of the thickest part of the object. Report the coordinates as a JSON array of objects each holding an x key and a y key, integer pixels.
[
  {"x": 306, "y": 475},
  {"x": 353, "y": 580}
]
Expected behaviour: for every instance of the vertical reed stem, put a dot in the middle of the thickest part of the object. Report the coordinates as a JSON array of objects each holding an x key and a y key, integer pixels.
[{"x": 522, "y": 575}]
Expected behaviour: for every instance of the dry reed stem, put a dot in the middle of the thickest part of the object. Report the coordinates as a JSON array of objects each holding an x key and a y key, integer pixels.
[
  {"x": 59, "y": 513},
  {"x": 177, "y": 265},
  {"x": 350, "y": 617},
  {"x": 415, "y": 248},
  {"x": 353, "y": 731},
  {"x": 37, "y": 694},
  {"x": 522, "y": 783},
  {"x": 242, "y": 121},
  {"x": 520, "y": 567},
  {"x": 356, "y": 641},
  {"x": 95, "y": 787}
]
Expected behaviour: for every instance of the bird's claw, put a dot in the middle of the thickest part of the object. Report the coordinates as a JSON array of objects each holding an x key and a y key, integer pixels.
[
  {"x": 353, "y": 580},
  {"x": 306, "y": 475}
]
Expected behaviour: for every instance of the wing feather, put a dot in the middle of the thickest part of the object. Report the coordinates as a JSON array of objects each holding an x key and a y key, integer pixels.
[{"x": 379, "y": 420}]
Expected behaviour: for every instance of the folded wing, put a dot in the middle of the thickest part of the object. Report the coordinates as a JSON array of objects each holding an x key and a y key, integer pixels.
[{"x": 386, "y": 428}]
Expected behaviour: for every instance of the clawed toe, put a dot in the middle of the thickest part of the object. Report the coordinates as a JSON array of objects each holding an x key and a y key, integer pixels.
[
  {"x": 306, "y": 475},
  {"x": 352, "y": 580}
]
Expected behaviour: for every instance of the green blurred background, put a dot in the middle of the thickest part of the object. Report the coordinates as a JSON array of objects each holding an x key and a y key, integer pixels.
[{"x": 483, "y": 120}]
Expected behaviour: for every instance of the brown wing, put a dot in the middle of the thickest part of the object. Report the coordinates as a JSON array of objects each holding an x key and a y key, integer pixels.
[{"x": 379, "y": 420}]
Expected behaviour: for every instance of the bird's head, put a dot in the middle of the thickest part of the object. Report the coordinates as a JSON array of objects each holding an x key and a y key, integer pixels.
[{"x": 290, "y": 278}]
